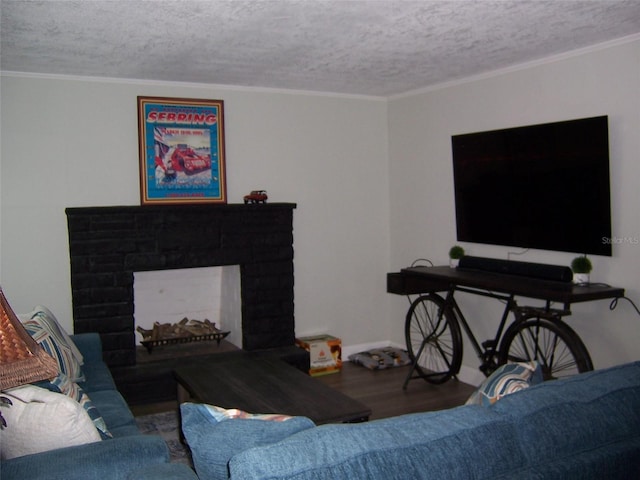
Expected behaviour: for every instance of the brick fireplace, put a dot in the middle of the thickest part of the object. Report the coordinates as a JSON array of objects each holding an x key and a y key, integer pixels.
[{"x": 108, "y": 244}]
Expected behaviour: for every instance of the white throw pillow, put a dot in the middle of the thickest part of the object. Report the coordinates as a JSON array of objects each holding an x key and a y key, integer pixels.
[{"x": 40, "y": 420}]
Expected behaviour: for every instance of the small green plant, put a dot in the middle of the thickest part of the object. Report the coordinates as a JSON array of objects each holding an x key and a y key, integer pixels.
[
  {"x": 456, "y": 252},
  {"x": 581, "y": 265}
]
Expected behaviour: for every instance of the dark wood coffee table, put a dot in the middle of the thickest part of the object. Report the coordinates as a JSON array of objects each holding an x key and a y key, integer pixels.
[{"x": 263, "y": 384}]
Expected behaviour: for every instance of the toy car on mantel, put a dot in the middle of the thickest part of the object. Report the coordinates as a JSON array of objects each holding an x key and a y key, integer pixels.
[{"x": 256, "y": 196}]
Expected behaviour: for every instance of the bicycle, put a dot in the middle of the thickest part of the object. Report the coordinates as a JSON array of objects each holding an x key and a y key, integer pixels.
[{"x": 434, "y": 338}]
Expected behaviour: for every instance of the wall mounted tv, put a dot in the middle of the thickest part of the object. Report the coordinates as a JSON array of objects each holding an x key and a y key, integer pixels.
[{"x": 539, "y": 186}]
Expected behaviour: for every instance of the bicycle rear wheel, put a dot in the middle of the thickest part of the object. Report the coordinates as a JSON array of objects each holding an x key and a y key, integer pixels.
[
  {"x": 552, "y": 343},
  {"x": 432, "y": 333}
]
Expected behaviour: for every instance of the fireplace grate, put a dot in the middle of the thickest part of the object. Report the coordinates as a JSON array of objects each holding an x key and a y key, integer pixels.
[{"x": 184, "y": 331}]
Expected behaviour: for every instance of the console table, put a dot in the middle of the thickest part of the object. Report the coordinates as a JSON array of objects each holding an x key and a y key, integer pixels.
[
  {"x": 424, "y": 279},
  {"x": 434, "y": 325}
]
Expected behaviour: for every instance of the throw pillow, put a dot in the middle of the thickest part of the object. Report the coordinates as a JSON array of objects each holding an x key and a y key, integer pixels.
[
  {"x": 215, "y": 434},
  {"x": 39, "y": 420},
  {"x": 380, "y": 358},
  {"x": 44, "y": 312},
  {"x": 63, "y": 385},
  {"x": 507, "y": 379},
  {"x": 45, "y": 329}
]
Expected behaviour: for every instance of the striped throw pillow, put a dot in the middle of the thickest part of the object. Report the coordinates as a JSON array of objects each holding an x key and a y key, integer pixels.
[
  {"x": 45, "y": 330},
  {"x": 507, "y": 379}
]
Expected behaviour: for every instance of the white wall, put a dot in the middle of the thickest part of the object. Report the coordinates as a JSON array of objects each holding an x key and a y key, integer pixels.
[
  {"x": 598, "y": 82},
  {"x": 372, "y": 179},
  {"x": 74, "y": 142}
]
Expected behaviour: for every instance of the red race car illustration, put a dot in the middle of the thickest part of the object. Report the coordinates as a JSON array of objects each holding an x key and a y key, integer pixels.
[{"x": 185, "y": 159}]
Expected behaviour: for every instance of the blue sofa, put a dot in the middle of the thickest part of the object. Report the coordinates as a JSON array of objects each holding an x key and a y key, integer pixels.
[
  {"x": 585, "y": 427},
  {"x": 128, "y": 455}
]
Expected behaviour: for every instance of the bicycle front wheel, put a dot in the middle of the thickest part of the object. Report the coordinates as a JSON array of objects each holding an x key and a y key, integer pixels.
[
  {"x": 552, "y": 343},
  {"x": 433, "y": 339}
]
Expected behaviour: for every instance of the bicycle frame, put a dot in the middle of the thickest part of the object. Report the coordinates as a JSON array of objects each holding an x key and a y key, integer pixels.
[{"x": 489, "y": 349}]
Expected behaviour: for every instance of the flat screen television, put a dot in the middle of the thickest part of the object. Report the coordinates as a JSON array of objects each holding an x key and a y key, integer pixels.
[{"x": 538, "y": 186}]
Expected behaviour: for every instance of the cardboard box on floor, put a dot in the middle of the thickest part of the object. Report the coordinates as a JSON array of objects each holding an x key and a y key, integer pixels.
[{"x": 325, "y": 353}]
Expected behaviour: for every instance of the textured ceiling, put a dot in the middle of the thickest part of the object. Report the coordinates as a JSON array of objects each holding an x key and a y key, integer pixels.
[{"x": 364, "y": 47}]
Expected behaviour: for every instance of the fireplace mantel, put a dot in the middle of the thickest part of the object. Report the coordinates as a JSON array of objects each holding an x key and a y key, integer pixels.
[{"x": 108, "y": 244}]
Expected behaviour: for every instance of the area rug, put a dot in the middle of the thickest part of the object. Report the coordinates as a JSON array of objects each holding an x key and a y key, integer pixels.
[{"x": 167, "y": 426}]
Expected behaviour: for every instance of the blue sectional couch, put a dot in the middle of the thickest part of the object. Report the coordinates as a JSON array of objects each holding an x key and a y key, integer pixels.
[
  {"x": 128, "y": 455},
  {"x": 585, "y": 427}
]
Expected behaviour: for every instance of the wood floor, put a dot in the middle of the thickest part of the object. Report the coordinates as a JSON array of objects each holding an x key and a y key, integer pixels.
[{"x": 380, "y": 390}]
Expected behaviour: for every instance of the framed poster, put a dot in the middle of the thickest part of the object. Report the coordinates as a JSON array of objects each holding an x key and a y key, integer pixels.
[{"x": 181, "y": 144}]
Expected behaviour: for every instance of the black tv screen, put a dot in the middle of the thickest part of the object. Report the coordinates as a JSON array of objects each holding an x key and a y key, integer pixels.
[{"x": 539, "y": 186}]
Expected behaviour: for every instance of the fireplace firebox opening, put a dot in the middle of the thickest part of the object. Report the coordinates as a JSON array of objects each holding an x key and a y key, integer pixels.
[{"x": 188, "y": 305}]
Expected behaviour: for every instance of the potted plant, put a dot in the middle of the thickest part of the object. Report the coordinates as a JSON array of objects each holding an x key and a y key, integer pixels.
[
  {"x": 455, "y": 254},
  {"x": 581, "y": 267}
]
